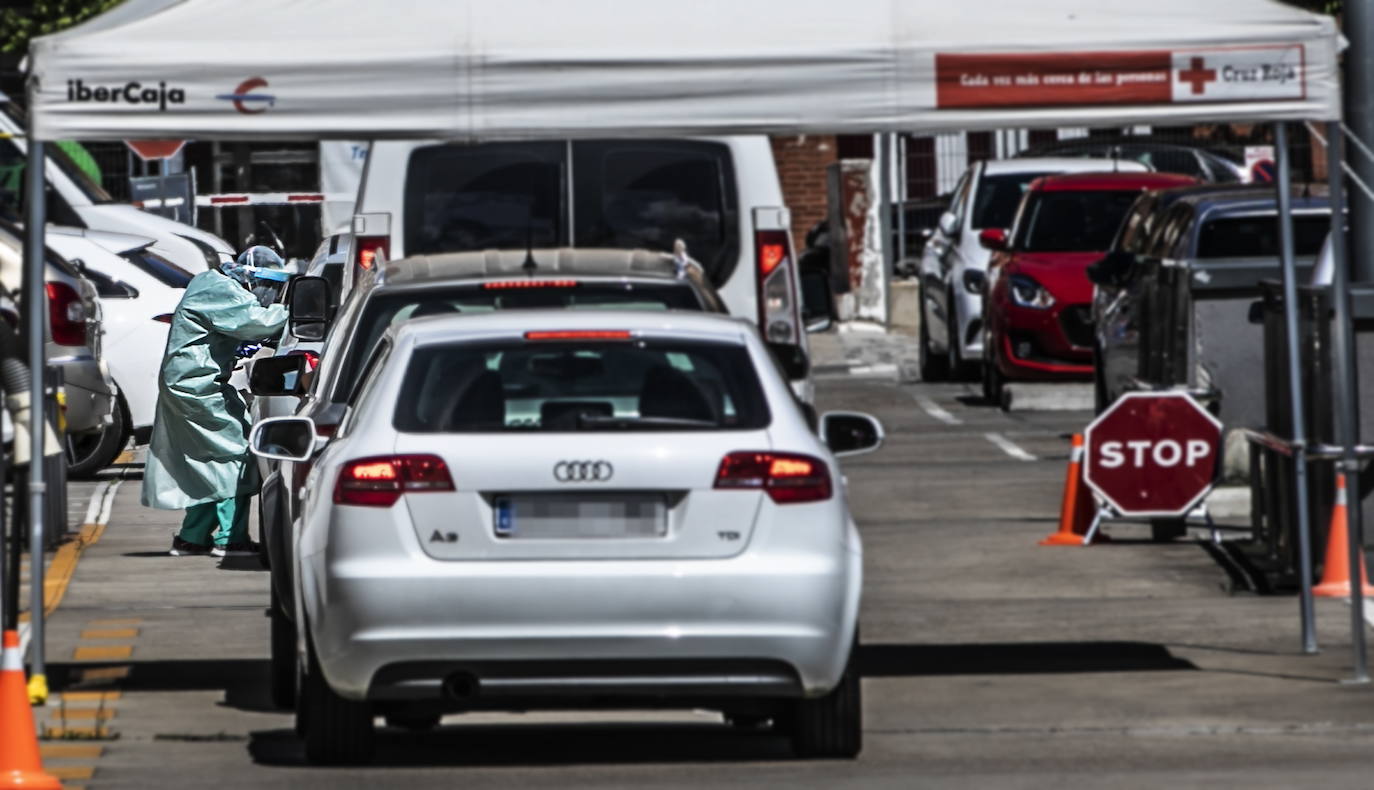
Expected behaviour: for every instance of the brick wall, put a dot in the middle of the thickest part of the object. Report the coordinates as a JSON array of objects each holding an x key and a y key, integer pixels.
[{"x": 802, "y": 161}]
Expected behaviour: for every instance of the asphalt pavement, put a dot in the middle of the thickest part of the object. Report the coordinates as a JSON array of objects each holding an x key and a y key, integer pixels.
[{"x": 988, "y": 661}]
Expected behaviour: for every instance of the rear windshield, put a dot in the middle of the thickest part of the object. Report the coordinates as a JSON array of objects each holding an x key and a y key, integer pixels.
[
  {"x": 624, "y": 193},
  {"x": 1073, "y": 221},
  {"x": 998, "y": 196},
  {"x": 158, "y": 267},
  {"x": 385, "y": 310},
  {"x": 580, "y": 386},
  {"x": 1258, "y": 237}
]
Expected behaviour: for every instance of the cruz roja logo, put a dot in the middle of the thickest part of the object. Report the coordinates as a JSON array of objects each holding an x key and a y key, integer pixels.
[
  {"x": 247, "y": 93},
  {"x": 128, "y": 93}
]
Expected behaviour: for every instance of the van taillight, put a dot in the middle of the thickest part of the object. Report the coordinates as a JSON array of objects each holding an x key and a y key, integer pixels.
[
  {"x": 372, "y": 250},
  {"x": 779, "y": 320},
  {"x": 380, "y": 481},
  {"x": 786, "y": 477},
  {"x": 66, "y": 315}
]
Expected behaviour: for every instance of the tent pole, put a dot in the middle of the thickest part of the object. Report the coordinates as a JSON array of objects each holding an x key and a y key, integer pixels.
[
  {"x": 1295, "y": 395},
  {"x": 1347, "y": 419},
  {"x": 885, "y": 150},
  {"x": 36, "y": 296}
]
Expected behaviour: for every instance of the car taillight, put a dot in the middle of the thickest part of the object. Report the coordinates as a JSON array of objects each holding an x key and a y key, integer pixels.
[
  {"x": 779, "y": 320},
  {"x": 786, "y": 477},
  {"x": 372, "y": 250},
  {"x": 380, "y": 481},
  {"x": 66, "y": 315},
  {"x": 312, "y": 360},
  {"x": 165, "y": 318}
]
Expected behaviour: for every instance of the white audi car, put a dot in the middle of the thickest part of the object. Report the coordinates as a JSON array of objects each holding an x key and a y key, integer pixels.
[{"x": 559, "y": 509}]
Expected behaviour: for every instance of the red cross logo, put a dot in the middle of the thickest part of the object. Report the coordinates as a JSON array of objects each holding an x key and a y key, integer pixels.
[{"x": 1197, "y": 76}]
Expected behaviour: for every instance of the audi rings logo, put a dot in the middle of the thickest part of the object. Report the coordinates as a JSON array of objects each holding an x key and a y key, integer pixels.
[{"x": 583, "y": 471}]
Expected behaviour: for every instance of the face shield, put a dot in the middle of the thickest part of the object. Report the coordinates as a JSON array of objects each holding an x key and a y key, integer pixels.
[{"x": 263, "y": 272}]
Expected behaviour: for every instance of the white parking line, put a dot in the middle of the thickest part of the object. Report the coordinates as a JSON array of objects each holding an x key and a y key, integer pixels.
[
  {"x": 933, "y": 409},
  {"x": 1007, "y": 446}
]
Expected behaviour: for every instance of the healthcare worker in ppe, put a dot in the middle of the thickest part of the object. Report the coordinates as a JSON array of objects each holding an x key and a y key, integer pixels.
[{"x": 198, "y": 458}]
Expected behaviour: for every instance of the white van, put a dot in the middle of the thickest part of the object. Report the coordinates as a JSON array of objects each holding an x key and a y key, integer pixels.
[
  {"x": 720, "y": 195},
  {"x": 74, "y": 200}
]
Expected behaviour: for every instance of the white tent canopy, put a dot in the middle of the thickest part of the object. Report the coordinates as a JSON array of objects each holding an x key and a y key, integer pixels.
[{"x": 477, "y": 69}]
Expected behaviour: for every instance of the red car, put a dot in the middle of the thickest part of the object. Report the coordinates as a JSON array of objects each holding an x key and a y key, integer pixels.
[{"x": 1037, "y": 310}]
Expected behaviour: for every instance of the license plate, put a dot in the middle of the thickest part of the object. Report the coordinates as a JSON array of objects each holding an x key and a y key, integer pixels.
[{"x": 608, "y": 516}]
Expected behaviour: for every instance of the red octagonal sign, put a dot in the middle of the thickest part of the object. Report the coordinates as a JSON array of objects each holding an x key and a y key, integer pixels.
[{"x": 1152, "y": 453}]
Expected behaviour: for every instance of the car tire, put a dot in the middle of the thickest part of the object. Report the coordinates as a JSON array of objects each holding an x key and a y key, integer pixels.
[
  {"x": 994, "y": 384},
  {"x": 283, "y": 662},
  {"x": 832, "y": 725},
  {"x": 1165, "y": 530},
  {"x": 934, "y": 367},
  {"x": 336, "y": 731},
  {"x": 89, "y": 453},
  {"x": 413, "y": 722}
]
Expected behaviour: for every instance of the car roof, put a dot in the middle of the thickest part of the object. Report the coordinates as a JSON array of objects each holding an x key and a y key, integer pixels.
[
  {"x": 467, "y": 326},
  {"x": 564, "y": 261},
  {"x": 1059, "y": 164},
  {"x": 1082, "y": 182},
  {"x": 1259, "y": 197}
]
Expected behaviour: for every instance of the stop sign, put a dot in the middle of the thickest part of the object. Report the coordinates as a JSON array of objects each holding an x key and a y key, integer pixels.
[
  {"x": 1152, "y": 453},
  {"x": 148, "y": 150}
]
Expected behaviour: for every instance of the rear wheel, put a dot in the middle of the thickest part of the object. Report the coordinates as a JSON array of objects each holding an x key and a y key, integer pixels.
[
  {"x": 934, "y": 367},
  {"x": 337, "y": 731},
  {"x": 283, "y": 644},
  {"x": 993, "y": 382},
  {"x": 831, "y": 726},
  {"x": 88, "y": 453}
]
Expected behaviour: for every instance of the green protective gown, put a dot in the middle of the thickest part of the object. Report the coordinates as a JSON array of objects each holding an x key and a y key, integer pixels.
[{"x": 199, "y": 448}]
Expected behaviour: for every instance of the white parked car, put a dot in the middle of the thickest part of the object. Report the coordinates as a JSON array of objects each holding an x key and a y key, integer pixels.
[
  {"x": 139, "y": 290},
  {"x": 987, "y": 195},
  {"x": 75, "y": 200},
  {"x": 528, "y": 509}
]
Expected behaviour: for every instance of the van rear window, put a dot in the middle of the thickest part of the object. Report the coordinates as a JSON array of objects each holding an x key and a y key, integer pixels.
[{"x": 624, "y": 194}]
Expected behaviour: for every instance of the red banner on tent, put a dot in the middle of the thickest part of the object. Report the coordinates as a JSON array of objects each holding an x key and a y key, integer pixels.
[{"x": 1041, "y": 79}]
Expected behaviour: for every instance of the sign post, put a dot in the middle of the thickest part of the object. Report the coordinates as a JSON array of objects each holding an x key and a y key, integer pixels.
[{"x": 1152, "y": 455}]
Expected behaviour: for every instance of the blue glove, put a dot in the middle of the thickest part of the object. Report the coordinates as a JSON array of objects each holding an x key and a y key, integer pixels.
[{"x": 248, "y": 349}]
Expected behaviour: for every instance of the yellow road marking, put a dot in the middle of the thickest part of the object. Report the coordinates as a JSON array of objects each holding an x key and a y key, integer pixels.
[
  {"x": 87, "y": 751},
  {"x": 103, "y": 675},
  {"x": 116, "y": 621},
  {"x": 82, "y": 714},
  {"x": 89, "y": 696},
  {"x": 110, "y": 653},
  {"x": 58, "y": 733},
  {"x": 71, "y": 771},
  {"x": 109, "y": 633}
]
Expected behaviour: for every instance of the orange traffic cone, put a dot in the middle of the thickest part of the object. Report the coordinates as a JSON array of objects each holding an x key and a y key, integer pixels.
[
  {"x": 1336, "y": 570},
  {"x": 1077, "y": 509},
  {"x": 20, "y": 764}
]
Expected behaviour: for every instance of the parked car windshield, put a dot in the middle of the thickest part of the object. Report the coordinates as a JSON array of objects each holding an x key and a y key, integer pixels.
[
  {"x": 998, "y": 196},
  {"x": 384, "y": 310},
  {"x": 580, "y": 385},
  {"x": 1064, "y": 221},
  {"x": 1258, "y": 236},
  {"x": 158, "y": 267}
]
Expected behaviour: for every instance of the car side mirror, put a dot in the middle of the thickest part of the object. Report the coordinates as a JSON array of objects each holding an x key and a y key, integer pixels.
[
  {"x": 975, "y": 281},
  {"x": 1112, "y": 269},
  {"x": 278, "y": 376},
  {"x": 818, "y": 304},
  {"x": 308, "y": 308},
  {"x": 949, "y": 224},
  {"x": 283, "y": 439},
  {"x": 851, "y": 432},
  {"x": 993, "y": 238},
  {"x": 792, "y": 359}
]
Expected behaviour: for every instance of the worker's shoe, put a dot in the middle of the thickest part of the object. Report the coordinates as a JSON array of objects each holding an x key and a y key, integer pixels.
[
  {"x": 185, "y": 548},
  {"x": 246, "y": 548}
]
